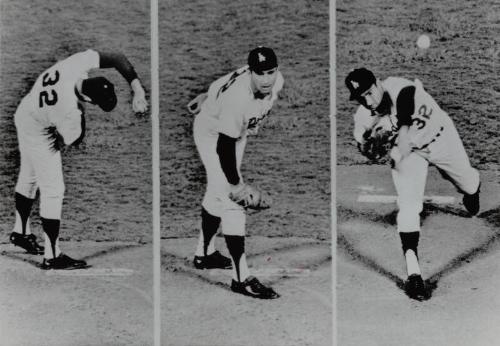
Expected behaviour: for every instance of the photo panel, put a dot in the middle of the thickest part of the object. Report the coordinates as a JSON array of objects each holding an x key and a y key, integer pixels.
[
  {"x": 417, "y": 172},
  {"x": 75, "y": 172},
  {"x": 244, "y": 99}
]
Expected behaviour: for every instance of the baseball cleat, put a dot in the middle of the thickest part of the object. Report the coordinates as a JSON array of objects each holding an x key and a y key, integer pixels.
[
  {"x": 213, "y": 261},
  {"x": 63, "y": 262},
  {"x": 27, "y": 242},
  {"x": 471, "y": 202},
  {"x": 253, "y": 288},
  {"x": 415, "y": 288}
]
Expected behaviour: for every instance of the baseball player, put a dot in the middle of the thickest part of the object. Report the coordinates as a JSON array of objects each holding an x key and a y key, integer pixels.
[
  {"x": 48, "y": 118},
  {"x": 423, "y": 134},
  {"x": 232, "y": 109}
]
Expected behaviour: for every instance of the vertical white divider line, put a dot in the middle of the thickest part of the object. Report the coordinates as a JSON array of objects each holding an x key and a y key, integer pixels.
[
  {"x": 155, "y": 146},
  {"x": 333, "y": 163}
]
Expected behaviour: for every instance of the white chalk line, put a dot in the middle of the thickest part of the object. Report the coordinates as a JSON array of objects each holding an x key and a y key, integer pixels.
[
  {"x": 92, "y": 272},
  {"x": 392, "y": 199},
  {"x": 269, "y": 272}
]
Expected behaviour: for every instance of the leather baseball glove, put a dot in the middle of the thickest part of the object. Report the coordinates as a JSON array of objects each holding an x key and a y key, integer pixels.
[
  {"x": 377, "y": 144},
  {"x": 249, "y": 197},
  {"x": 55, "y": 139}
]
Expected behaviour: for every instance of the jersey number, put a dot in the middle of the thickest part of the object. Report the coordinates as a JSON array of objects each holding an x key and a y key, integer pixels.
[
  {"x": 424, "y": 113},
  {"x": 230, "y": 82},
  {"x": 48, "y": 97}
]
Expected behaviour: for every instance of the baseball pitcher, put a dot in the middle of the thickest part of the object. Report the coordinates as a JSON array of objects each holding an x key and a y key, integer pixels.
[
  {"x": 48, "y": 118},
  {"x": 397, "y": 116},
  {"x": 232, "y": 109}
]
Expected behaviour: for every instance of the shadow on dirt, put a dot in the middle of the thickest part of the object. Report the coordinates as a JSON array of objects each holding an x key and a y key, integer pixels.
[
  {"x": 18, "y": 256},
  {"x": 369, "y": 263},
  {"x": 184, "y": 266},
  {"x": 345, "y": 214},
  {"x": 467, "y": 257},
  {"x": 111, "y": 250},
  {"x": 430, "y": 284},
  {"x": 37, "y": 260},
  {"x": 491, "y": 216}
]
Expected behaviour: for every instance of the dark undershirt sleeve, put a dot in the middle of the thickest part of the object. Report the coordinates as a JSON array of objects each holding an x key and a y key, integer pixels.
[
  {"x": 226, "y": 149},
  {"x": 405, "y": 105},
  {"x": 120, "y": 63}
]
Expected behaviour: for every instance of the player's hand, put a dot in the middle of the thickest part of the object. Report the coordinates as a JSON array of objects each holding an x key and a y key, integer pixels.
[
  {"x": 139, "y": 102},
  {"x": 249, "y": 197},
  {"x": 396, "y": 158},
  {"x": 194, "y": 106}
]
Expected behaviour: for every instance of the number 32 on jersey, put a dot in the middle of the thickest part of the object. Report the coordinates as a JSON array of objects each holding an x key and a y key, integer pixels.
[
  {"x": 48, "y": 97},
  {"x": 422, "y": 116}
]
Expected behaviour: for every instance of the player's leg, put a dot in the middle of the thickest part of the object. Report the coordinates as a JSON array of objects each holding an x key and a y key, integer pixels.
[
  {"x": 449, "y": 156},
  {"x": 409, "y": 180},
  {"x": 25, "y": 192},
  {"x": 48, "y": 168},
  {"x": 206, "y": 256},
  {"x": 233, "y": 227}
]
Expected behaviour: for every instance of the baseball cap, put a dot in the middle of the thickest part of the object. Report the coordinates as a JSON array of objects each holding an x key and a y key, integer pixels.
[
  {"x": 101, "y": 91},
  {"x": 358, "y": 81},
  {"x": 262, "y": 59}
]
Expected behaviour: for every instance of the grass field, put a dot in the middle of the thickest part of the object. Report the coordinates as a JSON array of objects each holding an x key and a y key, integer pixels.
[
  {"x": 458, "y": 255},
  {"x": 460, "y": 69},
  {"x": 202, "y": 40},
  {"x": 107, "y": 206},
  {"x": 289, "y": 158},
  {"x": 108, "y": 181}
]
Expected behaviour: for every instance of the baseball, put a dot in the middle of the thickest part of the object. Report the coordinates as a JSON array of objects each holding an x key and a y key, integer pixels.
[{"x": 423, "y": 42}]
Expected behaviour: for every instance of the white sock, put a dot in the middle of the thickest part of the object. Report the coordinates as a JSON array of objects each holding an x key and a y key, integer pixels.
[
  {"x": 244, "y": 272},
  {"x": 18, "y": 226},
  {"x": 199, "y": 247},
  {"x": 412, "y": 266},
  {"x": 48, "y": 248}
]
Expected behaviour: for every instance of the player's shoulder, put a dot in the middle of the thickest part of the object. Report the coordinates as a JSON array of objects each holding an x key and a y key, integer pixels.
[
  {"x": 396, "y": 82},
  {"x": 399, "y": 88},
  {"x": 238, "y": 85},
  {"x": 88, "y": 58}
]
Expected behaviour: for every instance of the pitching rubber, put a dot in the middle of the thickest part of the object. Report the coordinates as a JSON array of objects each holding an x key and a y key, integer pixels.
[{"x": 392, "y": 199}]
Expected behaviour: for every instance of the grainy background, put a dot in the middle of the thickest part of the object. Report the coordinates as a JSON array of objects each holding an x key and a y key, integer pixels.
[
  {"x": 107, "y": 206},
  {"x": 108, "y": 181},
  {"x": 289, "y": 158},
  {"x": 458, "y": 255}
]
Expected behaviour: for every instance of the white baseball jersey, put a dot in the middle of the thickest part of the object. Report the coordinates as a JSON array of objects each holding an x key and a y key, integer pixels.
[
  {"x": 433, "y": 138},
  {"x": 52, "y": 100},
  {"x": 426, "y": 122},
  {"x": 231, "y": 107}
]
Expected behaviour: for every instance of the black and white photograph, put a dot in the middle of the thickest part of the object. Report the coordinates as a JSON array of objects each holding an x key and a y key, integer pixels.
[
  {"x": 417, "y": 176},
  {"x": 240, "y": 173},
  {"x": 75, "y": 172},
  {"x": 245, "y": 163}
]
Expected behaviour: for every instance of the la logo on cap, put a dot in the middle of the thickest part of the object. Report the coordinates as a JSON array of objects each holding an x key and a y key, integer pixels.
[
  {"x": 261, "y": 57},
  {"x": 355, "y": 84}
]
